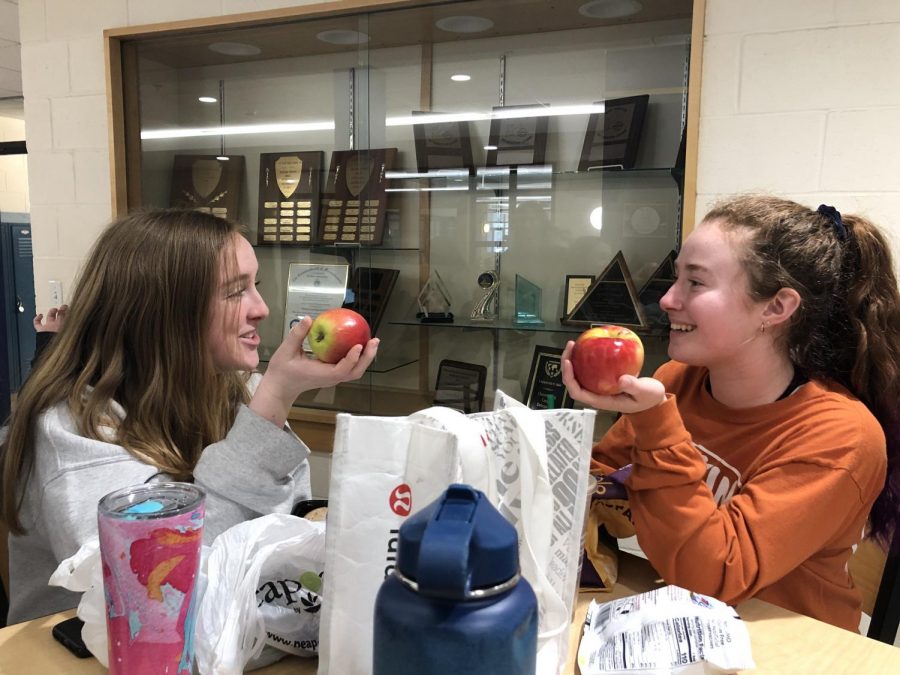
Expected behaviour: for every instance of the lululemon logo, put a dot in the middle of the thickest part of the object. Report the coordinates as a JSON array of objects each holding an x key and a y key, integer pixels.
[{"x": 401, "y": 500}]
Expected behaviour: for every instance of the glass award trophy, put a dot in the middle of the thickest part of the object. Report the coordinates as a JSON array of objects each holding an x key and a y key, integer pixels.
[
  {"x": 487, "y": 308},
  {"x": 528, "y": 303},
  {"x": 434, "y": 301}
]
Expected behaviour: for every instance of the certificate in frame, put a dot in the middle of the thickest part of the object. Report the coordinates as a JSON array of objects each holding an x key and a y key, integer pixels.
[
  {"x": 289, "y": 197},
  {"x": 576, "y": 286},
  {"x": 311, "y": 289},
  {"x": 516, "y": 140},
  {"x": 612, "y": 137}
]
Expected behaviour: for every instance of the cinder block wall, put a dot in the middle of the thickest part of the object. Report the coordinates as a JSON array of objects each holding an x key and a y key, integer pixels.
[{"x": 801, "y": 98}]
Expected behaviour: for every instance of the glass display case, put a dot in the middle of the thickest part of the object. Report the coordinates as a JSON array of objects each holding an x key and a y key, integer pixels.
[{"x": 507, "y": 163}]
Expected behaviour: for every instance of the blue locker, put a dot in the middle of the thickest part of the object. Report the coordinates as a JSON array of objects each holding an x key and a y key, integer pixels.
[{"x": 18, "y": 303}]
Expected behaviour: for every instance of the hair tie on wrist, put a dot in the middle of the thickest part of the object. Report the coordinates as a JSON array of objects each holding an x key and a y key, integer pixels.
[{"x": 836, "y": 222}]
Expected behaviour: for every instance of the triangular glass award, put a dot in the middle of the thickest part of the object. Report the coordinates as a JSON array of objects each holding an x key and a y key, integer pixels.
[
  {"x": 434, "y": 301},
  {"x": 610, "y": 299},
  {"x": 655, "y": 287}
]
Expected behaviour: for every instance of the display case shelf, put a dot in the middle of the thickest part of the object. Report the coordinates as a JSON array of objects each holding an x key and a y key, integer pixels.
[{"x": 353, "y": 108}]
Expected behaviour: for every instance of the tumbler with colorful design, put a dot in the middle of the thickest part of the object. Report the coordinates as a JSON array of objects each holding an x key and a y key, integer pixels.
[{"x": 150, "y": 538}]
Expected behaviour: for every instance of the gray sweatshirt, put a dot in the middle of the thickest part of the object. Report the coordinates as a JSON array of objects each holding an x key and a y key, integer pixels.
[{"x": 256, "y": 469}]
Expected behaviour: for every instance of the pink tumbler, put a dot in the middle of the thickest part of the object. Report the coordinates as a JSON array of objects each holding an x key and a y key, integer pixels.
[{"x": 150, "y": 538}]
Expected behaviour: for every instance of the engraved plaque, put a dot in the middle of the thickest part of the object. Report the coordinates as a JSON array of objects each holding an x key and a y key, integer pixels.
[
  {"x": 356, "y": 179},
  {"x": 289, "y": 181}
]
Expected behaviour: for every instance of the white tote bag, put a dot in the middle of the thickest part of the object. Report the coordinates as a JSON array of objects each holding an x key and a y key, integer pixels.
[{"x": 531, "y": 464}]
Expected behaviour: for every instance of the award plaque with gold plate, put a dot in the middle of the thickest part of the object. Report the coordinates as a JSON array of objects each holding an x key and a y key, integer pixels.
[
  {"x": 289, "y": 197},
  {"x": 355, "y": 198},
  {"x": 209, "y": 183}
]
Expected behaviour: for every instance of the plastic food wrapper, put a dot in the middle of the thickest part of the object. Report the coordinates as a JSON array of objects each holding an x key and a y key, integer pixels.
[
  {"x": 259, "y": 594},
  {"x": 666, "y": 630},
  {"x": 609, "y": 519}
]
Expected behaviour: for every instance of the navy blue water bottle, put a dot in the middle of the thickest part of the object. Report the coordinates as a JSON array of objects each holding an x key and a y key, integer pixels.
[{"x": 455, "y": 602}]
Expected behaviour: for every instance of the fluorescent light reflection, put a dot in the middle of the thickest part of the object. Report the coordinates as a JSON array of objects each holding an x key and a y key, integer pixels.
[
  {"x": 403, "y": 120},
  {"x": 234, "y": 130}
]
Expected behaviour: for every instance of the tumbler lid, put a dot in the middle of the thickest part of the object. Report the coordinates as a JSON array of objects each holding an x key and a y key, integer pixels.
[{"x": 457, "y": 546}]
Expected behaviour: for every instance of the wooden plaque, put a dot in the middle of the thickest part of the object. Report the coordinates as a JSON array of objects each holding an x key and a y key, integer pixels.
[
  {"x": 208, "y": 183},
  {"x": 289, "y": 197},
  {"x": 355, "y": 201}
]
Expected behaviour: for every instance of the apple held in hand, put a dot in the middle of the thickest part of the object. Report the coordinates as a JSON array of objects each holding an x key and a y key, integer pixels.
[
  {"x": 335, "y": 332},
  {"x": 603, "y": 354}
]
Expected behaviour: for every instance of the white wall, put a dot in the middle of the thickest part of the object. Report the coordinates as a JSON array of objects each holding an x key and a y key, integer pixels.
[
  {"x": 801, "y": 98},
  {"x": 13, "y": 169}
]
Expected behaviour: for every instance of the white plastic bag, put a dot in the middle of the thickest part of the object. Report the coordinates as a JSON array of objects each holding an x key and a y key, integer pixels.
[
  {"x": 254, "y": 608},
  {"x": 263, "y": 578},
  {"x": 532, "y": 466}
]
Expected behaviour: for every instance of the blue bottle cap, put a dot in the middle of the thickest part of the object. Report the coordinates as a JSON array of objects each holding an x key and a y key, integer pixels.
[{"x": 458, "y": 546}]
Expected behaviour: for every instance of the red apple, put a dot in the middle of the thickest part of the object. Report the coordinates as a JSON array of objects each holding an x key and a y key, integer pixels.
[
  {"x": 603, "y": 354},
  {"x": 335, "y": 332}
]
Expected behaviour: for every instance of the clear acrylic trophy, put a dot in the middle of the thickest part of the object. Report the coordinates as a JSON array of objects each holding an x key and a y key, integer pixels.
[
  {"x": 434, "y": 301},
  {"x": 528, "y": 303}
]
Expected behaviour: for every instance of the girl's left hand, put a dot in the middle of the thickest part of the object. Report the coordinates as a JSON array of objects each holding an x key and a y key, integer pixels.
[{"x": 637, "y": 393}]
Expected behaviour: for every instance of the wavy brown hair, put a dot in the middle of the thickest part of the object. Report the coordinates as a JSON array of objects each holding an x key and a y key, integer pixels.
[
  {"x": 847, "y": 327},
  {"x": 135, "y": 334}
]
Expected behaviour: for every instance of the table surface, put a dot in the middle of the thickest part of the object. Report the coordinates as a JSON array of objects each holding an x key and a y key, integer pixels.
[{"x": 783, "y": 642}]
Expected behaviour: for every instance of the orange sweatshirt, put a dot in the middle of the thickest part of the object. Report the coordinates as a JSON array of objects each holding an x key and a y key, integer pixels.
[{"x": 765, "y": 501}]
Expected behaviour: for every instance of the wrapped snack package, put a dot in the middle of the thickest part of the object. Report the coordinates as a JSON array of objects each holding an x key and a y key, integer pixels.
[
  {"x": 668, "y": 630},
  {"x": 609, "y": 519}
]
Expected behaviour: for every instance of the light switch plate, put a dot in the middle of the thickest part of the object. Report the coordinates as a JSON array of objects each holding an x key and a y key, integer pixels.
[{"x": 56, "y": 293}]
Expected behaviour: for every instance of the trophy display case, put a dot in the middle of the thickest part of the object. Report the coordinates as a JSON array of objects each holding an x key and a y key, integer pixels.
[{"x": 486, "y": 178}]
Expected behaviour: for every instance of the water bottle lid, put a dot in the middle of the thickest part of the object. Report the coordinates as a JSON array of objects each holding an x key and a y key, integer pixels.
[{"x": 458, "y": 545}]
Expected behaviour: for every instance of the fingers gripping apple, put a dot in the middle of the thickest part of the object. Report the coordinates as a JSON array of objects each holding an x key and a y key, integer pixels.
[
  {"x": 335, "y": 332},
  {"x": 603, "y": 354}
]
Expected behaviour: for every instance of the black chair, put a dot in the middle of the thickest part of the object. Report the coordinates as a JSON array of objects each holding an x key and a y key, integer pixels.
[
  {"x": 886, "y": 614},
  {"x": 460, "y": 386}
]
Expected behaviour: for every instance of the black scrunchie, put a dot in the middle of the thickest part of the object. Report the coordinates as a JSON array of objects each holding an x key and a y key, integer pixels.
[{"x": 836, "y": 221}]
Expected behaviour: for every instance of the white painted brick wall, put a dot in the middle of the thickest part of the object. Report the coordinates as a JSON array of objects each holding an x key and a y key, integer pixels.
[
  {"x": 808, "y": 107},
  {"x": 79, "y": 122}
]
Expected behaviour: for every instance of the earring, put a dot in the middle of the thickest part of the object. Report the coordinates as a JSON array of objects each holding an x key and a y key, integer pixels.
[{"x": 763, "y": 326}]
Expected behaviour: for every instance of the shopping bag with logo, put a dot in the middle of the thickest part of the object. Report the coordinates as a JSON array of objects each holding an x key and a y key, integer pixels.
[{"x": 531, "y": 464}]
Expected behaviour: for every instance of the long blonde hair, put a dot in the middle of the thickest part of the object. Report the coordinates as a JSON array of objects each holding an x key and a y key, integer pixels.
[{"x": 135, "y": 334}]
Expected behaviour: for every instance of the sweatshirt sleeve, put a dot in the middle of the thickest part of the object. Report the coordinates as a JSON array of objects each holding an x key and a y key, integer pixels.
[
  {"x": 787, "y": 511},
  {"x": 613, "y": 451},
  {"x": 256, "y": 469}
]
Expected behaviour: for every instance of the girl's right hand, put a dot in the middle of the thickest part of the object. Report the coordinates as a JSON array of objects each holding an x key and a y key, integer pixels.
[
  {"x": 291, "y": 372},
  {"x": 637, "y": 393}
]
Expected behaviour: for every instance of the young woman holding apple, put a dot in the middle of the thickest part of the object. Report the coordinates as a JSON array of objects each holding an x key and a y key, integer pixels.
[
  {"x": 759, "y": 451},
  {"x": 149, "y": 379}
]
